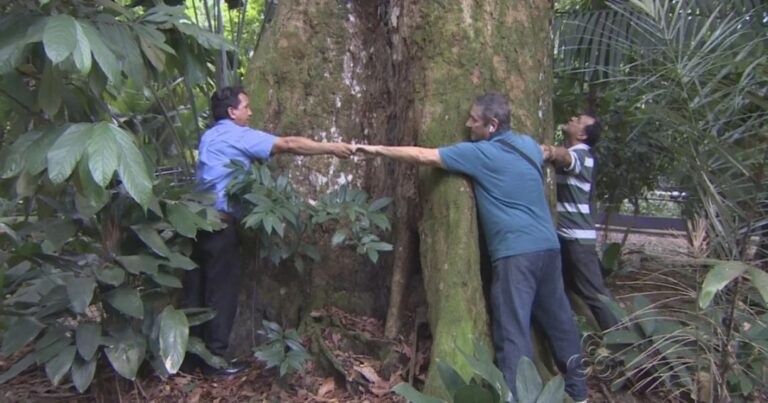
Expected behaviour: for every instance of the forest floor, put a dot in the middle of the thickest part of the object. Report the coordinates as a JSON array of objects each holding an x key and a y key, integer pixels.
[{"x": 358, "y": 377}]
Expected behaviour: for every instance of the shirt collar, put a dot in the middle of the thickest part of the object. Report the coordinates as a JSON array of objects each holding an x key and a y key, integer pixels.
[
  {"x": 580, "y": 146},
  {"x": 498, "y": 135}
]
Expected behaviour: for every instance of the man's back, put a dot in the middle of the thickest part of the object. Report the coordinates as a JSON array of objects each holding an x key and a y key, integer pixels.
[{"x": 510, "y": 193}]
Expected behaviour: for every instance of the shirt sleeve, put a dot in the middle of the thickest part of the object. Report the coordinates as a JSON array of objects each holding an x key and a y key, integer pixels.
[
  {"x": 582, "y": 163},
  {"x": 461, "y": 158},
  {"x": 256, "y": 144}
]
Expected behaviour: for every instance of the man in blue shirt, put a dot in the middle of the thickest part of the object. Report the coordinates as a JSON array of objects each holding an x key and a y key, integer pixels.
[
  {"x": 215, "y": 284},
  {"x": 505, "y": 168}
]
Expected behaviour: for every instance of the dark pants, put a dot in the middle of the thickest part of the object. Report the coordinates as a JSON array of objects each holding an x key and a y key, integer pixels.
[
  {"x": 215, "y": 284},
  {"x": 582, "y": 275},
  {"x": 531, "y": 286}
]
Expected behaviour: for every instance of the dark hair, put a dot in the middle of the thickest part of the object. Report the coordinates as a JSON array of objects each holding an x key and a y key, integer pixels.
[
  {"x": 593, "y": 131},
  {"x": 223, "y": 99},
  {"x": 494, "y": 106}
]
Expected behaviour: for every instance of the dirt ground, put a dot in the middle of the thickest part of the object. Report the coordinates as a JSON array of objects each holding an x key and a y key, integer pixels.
[{"x": 357, "y": 378}]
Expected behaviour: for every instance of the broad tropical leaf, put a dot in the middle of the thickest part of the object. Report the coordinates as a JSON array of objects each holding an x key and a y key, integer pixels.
[
  {"x": 102, "y": 149},
  {"x": 60, "y": 37},
  {"x": 67, "y": 150},
  {"x": 21, "y": 332},
  {"x": 127, "y": 300},
  {"x": 82, "y": 373},
  {"x": 717, "y": 278},
  {"x": 174, "y": 336},
  {"x": 57, "y": 367},
  {"x": 528, "y": 382},
  {"x": 80, "y": 292},
  {"x": 127, "y": 354},
  {"x": 131, "y": 167}
]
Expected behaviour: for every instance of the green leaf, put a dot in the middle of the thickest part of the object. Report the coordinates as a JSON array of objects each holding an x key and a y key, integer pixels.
[
  {"x": 17, "y": 368},
  {"x": 174, "y": 336},
  {"x": 622, "y": 337},
  {"x": 66, "y": 151},
  {"x": 57, "y": 367},
  {"x": 132, "y": 169},
  {"x": 112, "y": 275},
  {"x": 185, "y": 221},
  {"x": 166, "y": 280},
  {"x": 197, "y": 347},
  {"x": 20, "y": 333},
  {"x": 104, "y": 57},
  {"x": 127, "y": 300},
  {"x": 14, "y": 162},
  {"x": 88, "y": 338},
  {"x": 717, "y": 278},
  {"x": 380, "y": 204},
  {"x": 528, "y": 383},
  {"x": 136, "y": 264},
  {"x": 127, "y": 354},
  {"x": 102, "y": 150},
  {"x": 35, "y": 155},
  {"x": 51, "y": 88},
  {"x": 90, "y": 197},
  {"x": 82, "y": 52},
  {"x": 80, "y": 292},
  {"x": 760, "y": 281},
  {"x": 82, "y": 373},
  {"x": 60, "y": 37},
  {"x": 409, "y": 392},
  {"x": 45, "y": 354},
  {"x": 373, "y": 255},
  {"x": 179, "y": 261},
  {"x": 451, "y": 379},
  {"x": 338, "y": 237},
  {"x": 554, "y": 391},
  {"x": 196, "y": 316},
  {"x": 59, "y": 233},
  {"x": 16, "y": 32},
  {"x": 380, "y": 246},
  {"x": 483, "y": 365},
  {"x": 473, "y": 393},
  {"x": 611, "y": 256},
  {"x": 152, "y": 239}
]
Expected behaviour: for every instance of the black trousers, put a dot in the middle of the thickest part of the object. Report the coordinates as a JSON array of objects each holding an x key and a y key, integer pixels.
[
  {"x": 582, "y": 276},
  {"x": 215, "y": 284}
]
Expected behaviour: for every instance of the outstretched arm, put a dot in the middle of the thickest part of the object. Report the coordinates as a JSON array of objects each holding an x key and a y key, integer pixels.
[
  {"x": 305, "y": 146},
  {"x": 411, "y": 155},
  {"x": 560, "y": 157}
]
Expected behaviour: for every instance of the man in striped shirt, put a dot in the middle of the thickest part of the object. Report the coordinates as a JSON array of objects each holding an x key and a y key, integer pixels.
[{"x": 575, "y": 165}]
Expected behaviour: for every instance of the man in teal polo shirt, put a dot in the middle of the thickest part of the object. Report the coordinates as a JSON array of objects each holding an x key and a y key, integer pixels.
[
  {"x": 216, "y": 283},
  {"x": 505, "y": 168}
]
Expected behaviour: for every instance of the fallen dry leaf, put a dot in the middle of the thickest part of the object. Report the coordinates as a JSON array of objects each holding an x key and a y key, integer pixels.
[
  {"x": 328, "y": 386},
  {"x": 369, "y": 374}
]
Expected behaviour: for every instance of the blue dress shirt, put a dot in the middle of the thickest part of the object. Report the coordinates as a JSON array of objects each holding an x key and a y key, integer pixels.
[{"x": 221, "y": 144}]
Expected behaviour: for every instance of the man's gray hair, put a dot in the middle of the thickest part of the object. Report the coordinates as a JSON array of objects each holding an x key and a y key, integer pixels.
[{"x": 494, "y": 106}]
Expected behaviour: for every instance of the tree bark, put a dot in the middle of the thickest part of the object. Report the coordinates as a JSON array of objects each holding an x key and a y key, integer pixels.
[{"x": 404, "y": 72}]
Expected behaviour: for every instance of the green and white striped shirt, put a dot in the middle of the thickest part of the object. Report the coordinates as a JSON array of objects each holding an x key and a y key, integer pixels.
[{"x": 574, "y": 187}]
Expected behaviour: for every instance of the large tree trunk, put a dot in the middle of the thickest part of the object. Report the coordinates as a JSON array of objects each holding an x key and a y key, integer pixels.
[{"x": 404, "y": 72}]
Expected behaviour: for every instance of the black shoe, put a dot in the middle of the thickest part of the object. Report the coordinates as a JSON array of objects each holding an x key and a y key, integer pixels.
[{"x": 233, "y": 368}]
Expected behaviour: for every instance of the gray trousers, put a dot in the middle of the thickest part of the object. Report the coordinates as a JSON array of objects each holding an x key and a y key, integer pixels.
[
  {"x": 582, "y": 275},
  {"x": 530, "y": 286}
]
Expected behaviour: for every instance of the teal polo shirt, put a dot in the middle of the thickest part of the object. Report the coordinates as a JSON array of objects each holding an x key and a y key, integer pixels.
[{"x": 510, "y": 195}]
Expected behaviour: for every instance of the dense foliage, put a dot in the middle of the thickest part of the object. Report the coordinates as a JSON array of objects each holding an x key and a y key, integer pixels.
[{"x": 94, "y": 98}]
